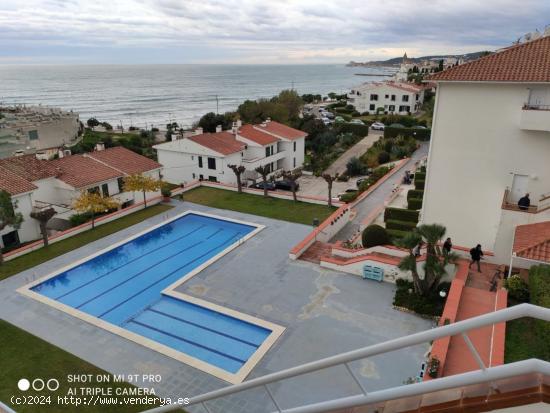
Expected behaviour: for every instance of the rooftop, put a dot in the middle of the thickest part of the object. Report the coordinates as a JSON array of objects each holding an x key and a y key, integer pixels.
[
  {"x": 221, "y": 142},
  {"x": 124, "y": 160},
  {"x": 80, "y": 171},
  {"x": 525, "y": 62},
  {"x": 532, "y": 241},
  {"x": 14, "y": 184},
  {"x": 251, "y": 133},
  {"x": 280, "y": 130}
]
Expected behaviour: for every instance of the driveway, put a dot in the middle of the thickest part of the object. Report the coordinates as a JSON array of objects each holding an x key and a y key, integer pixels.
[{"x": 355, "y": 151}]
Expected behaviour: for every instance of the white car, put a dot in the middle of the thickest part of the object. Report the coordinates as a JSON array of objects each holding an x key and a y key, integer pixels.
[
  {"x": 377, "y": 126},
  {"x": 326, "y": 121},
  {"x": 356, "y": 122}
]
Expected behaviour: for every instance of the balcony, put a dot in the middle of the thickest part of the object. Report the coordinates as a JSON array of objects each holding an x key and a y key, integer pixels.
[
  {"x": 252, "y": 163},
  {"x": 535, "y": 117},
  {"x": 543, "y": 204}
]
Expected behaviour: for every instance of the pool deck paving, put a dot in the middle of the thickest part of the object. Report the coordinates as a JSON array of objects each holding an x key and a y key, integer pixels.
[{"x": 324, "y": 312}]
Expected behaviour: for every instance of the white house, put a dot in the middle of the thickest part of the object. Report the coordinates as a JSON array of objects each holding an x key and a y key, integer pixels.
[
  {"x": 387, "y": 97},
  {"x": 490, "y": 146},
  {"x": 37, "y": 183},
  {"x": 206, "y": 156}
]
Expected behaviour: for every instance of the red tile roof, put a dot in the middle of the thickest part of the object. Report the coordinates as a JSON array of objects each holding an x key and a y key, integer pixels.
[
  {"x": 251, "y": 133},
  {"x": 532, "y": 241},
  {"x": 525, "y": 62},
  {"x": 224, "y": 143},
  {"x": 80, "y": 171},
  {"x": 124, "y": 160},
  {"x": 281, "y": 131},
  {"x": 14, "y": 184},
  {"x": 29, "y": 167}
]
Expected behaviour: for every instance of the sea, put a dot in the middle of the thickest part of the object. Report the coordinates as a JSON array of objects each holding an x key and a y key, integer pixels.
[{"x": 148, "y": 96}]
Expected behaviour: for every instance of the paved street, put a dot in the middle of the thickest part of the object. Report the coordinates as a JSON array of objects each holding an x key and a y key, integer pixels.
[
  {"x": 377, "y": 197},
  {"x": 355, "y": 151}
]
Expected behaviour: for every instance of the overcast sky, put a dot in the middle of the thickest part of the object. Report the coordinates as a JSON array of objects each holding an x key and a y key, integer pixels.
[{"x": 257, "y": 31}]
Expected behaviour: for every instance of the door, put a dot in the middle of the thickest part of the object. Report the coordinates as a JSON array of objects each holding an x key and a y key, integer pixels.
[{"x": 519, "y": 188}]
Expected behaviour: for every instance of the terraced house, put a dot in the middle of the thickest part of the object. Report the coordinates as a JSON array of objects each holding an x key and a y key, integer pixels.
[
  {"x": 206, "y": 156},
  {"x": 36, "y": 183}
]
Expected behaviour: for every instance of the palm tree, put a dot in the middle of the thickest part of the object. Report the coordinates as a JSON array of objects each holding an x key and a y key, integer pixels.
[
  {"x": 43, "y": 216},
  {"x": 292, "y": 177},
  {"x": 434, "y": 267},
  {"x": 330, "y": 179},
  {"x": 238, "y": 170},
  {"x": 264, "y": 171}
]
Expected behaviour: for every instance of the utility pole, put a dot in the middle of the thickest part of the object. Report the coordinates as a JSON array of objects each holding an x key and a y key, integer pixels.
[{"x": 217, "y": 105}]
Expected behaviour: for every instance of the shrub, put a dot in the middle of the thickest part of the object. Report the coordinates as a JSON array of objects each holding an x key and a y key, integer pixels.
[
  {"x": 343, "y": 178},
  {"x": 375, "y": 235},
  {"x": 383, "y": 157},
  {"x": 517, "y": 288},
  {"x": 419, "y": 184},
  {"x": 414, "y": 203},
  {"x": 418, "y": 134},
  {"x": 415, "y": 193},
  {"x": 166, "y": 191},
  {"x": 401, "y": 214},
  {"x": 400, "y": 225},
  {"x": 396, "y": 234},
  {"x": 421, "y": 176},
  {"x": 79, "y": 219},
  {"x": 431, "y": 304},
  {"x": 349, "y": 197},
  {"x": 359, "y": 130},
  {"x": 354, "y": 167},
  {"x": 539, "y": 289}
]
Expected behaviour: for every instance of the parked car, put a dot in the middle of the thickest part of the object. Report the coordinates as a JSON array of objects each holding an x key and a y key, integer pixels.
[
  {"x": 326, "y": 121},
  {"x": 339, "y": 119},
  {"x": 377, "y": 126},
  {"x": 357, "y": 122},
  {"x": 329, "y": 115},
  {"x": 260, "y": 185},
  {"x": 347, "y": 191},
  {"x": 285, "y": 185}
]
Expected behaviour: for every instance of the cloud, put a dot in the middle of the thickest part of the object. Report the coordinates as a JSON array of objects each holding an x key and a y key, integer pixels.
[{"x": 269, "y": 31}]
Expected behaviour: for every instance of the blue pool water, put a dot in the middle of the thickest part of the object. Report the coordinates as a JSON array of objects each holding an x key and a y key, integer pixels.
[{"x": 123, "y": 287}]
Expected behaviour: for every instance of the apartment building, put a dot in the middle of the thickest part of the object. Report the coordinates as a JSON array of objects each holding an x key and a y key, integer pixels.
[
  {"x": 390, "y": 97},
  {"x": 490, "y": 147},
  {"x": 207, "y": 156}
]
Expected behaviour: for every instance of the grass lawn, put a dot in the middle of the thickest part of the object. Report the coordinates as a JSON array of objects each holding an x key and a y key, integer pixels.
[
  {"x": 521, "y": 341},
  {"x": 299, "y": 212},
  {"x": 61, "y": 247},
  {"x": 27, "y": 356}
]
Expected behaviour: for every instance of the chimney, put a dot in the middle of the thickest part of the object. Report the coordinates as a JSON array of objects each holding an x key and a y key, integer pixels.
[
  {"x": 198, "y": 131},
  {"x": 263, "y": 124},
  {"x": 19, "y": 153},
  {"x": 218, "y": 128},
  {"x": 234, "y": 128},
  {"x": 173, "y": 137},
  {"x": 100, "y": 146},
  {"x": 42, "y": 156},
  {"x": 268, "y": 120},
  {"x": 239, "y": 123}
]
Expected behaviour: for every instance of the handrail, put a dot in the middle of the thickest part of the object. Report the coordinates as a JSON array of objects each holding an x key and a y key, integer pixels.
[
  {"x": 461, "y": 327},
  {"x": 6, "y": 409}
]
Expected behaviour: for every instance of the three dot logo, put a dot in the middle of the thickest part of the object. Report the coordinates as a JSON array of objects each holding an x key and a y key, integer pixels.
[{"x": 38, "y": 384}]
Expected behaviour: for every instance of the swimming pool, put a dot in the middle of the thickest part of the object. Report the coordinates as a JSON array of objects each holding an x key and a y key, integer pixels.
[{"x": 130, "y": 286}]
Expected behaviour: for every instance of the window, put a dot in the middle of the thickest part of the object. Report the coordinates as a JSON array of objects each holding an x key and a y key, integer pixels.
[
  {"x": 387, "y": 96},
  {"x": 212, "y": 179},
  {"x": 201, "y": 177},
  {"x": 94, "y": 190},
  {"x": 373, "y": 97},
  {"x": 105, "y": 189},
  {"x": 294, "y": 146},
  {"x": 211, "y": 163},
  {"x": 371, "y": 107},
  {"x": 405, "y": 98},
  {"x": 267, "y": 151},
  {"x": 392, "y": 108},
  {"x": 417, "y": 96},
  {"x": 393, "y": 98},
  {"x": 120, "y": 182},
  {"x": 194, "y": 176},
  {"x": 192, "y": 158},
  {"x": 294, "y": 162},
  {"x": 200, "y": 161},
  {"x": 404, "y": 108}
]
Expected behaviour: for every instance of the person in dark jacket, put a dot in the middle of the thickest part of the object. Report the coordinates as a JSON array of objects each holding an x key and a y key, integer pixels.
[
  {"x": 524, "y": 202},
  {"x": 447, "y": 246},
  {"x": 476, "y": 254}
]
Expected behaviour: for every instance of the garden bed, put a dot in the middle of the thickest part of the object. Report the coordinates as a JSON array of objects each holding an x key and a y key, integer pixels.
[{"x": 426, "y": 306}]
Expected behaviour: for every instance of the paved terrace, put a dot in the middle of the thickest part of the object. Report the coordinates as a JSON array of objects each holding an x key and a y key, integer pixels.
[{"x": 324, "y": 312}]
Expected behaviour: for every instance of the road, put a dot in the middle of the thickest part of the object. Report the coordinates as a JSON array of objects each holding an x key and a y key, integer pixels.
[{"x": 377, "y": 197}]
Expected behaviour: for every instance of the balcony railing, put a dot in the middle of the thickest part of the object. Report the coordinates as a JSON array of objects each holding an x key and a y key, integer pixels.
[
  {"x": 542, "y": 205},
  {"x": 529, "y": 106},
  {"x": 503, "y": 379},
  {"x": 535, "y": 117}
]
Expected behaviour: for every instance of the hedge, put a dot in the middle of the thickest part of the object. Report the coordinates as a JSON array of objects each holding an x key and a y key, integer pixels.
[
  {"x": 415, "y": 193},
  {"x": 419, "y": 184},
  {"x": 349, "y": 197},
  {"x": 414, "y": 203},
  {"x": 401, "y": 214},
  {"x": 539, "y": 290},
  {"x": 400, "y": 225},
  {"x": 418, "y": 134},
  {"x": 374, "y": 235},
  {"x": 360, "y": 130},
  {"x": 396, "y": 234},
  {"x": 421, "y": 176}
]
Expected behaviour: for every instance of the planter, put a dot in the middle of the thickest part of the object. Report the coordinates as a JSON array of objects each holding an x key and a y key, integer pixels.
[{"x": 433, "y": 367}]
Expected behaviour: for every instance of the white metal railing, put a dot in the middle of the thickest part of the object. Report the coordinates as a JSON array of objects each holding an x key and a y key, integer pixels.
[{"x": 483, "y": 375}]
